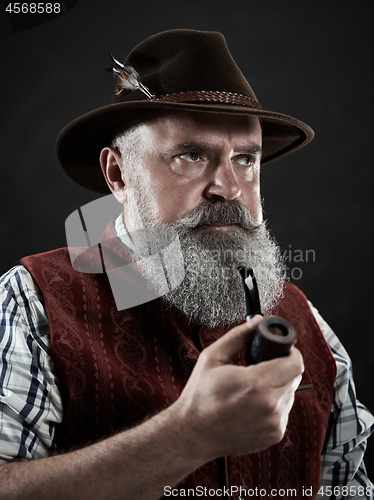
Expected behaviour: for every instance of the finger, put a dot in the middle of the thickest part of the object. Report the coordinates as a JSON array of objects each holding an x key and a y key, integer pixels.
[
  {"x": 280, "y": 372},
  {"x": 232, "y": 342}
]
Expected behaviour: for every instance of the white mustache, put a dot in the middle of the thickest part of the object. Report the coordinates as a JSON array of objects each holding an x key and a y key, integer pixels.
[{"x": 217, "y": 212}]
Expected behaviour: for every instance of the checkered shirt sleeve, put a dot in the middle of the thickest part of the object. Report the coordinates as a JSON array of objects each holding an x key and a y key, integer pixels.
[
  {"x": 30, "y": 402},
  {"x": 349, "y": 427}
]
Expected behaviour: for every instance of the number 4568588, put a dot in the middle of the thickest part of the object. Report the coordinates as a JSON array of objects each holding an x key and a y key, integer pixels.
[{"x": 34, "y": 8}]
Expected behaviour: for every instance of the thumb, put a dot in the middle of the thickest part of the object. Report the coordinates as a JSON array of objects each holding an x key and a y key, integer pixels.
[{"x": 232, "y": 342}]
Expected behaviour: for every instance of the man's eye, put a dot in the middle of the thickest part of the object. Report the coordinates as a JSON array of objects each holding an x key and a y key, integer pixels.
[
  {"x": 191, "y": 157},
  {"x": 245, "y": 160}
]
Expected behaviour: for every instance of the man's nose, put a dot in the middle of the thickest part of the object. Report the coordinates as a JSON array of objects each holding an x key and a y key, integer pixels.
[{"x": 223, "y": 183}]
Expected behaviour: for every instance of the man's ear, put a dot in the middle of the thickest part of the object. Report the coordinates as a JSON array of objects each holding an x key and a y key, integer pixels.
[{"x": 113, "y": 169}]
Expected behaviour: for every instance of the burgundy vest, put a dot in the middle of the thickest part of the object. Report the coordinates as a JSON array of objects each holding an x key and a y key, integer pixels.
[{"x": 118, "y": 367}]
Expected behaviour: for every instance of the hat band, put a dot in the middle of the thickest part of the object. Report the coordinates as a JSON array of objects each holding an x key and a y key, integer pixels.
[{"x": 209, "y": 96}]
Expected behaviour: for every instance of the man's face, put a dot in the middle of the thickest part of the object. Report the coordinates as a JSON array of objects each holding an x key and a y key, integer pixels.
[
  {"x": 190, "y": 159},
  {"x": 197, "y": 176}
]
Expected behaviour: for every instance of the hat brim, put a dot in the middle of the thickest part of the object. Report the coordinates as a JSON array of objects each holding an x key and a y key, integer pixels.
[{"x": 79, "y": 144}]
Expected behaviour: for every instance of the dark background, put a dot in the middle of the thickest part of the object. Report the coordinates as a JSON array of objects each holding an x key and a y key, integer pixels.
[{"x": 309, "y": 59}]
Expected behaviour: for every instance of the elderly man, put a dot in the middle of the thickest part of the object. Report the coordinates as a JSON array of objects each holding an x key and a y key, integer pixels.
[{"x": 157, "y": 399}]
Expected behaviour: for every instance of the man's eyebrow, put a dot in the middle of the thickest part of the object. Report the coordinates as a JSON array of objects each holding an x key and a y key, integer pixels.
[
  {"x": 252, "y": 150},
  {"x": 200, "y": 147},
  {"x": 193, "y": 147}
]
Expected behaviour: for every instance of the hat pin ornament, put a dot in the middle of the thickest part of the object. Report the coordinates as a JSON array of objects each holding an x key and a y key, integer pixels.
[{"x": 128, "y": 78}]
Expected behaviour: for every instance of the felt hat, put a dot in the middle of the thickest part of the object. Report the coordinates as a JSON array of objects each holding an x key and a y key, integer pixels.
[{"x": 183, "y": 70}]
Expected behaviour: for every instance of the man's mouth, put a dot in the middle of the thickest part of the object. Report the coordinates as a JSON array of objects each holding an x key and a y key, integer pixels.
[{"x": 218, "y": 226}]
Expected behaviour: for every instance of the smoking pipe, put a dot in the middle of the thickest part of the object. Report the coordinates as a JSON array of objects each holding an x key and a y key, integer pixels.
[{"x": 274, "y": 336}]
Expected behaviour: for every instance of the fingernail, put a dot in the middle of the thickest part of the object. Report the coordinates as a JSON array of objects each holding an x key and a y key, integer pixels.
[{"x": 249, "y": 321}]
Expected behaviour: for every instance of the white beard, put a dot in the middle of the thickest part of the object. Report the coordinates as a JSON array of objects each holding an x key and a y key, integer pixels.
[{"x": 211, "y": 293}]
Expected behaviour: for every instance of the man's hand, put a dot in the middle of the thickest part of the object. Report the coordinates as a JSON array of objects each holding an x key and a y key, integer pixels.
[{"x": 233, "y": 409}]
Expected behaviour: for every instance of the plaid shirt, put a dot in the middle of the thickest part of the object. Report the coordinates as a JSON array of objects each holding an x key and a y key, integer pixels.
[{"x": 31, "y": 407}]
